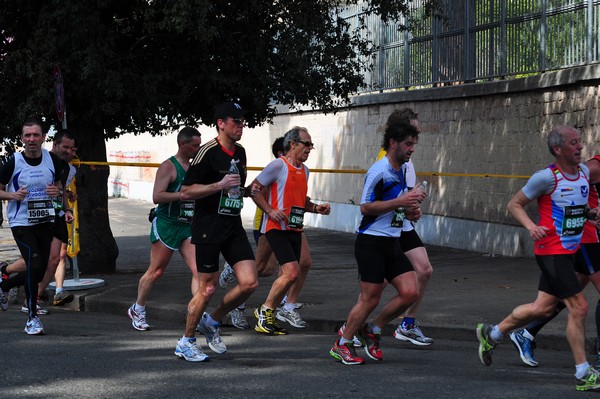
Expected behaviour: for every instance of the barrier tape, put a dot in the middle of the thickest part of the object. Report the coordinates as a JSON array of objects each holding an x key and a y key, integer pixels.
[{"x": 342, "y": 171}]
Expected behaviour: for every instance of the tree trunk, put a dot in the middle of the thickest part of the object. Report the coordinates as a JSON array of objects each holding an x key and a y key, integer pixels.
[{"x": 98, "y": 248}]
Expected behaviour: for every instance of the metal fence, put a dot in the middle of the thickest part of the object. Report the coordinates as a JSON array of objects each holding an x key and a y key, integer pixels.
[{"x": 479, "y": 40}]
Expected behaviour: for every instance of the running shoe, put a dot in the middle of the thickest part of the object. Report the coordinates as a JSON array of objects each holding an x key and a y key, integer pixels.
[
  {"x": 212, "y": 335},
  {"x": 138, "y": 319},
  {"x": 345, "y": 353},
  {"x": 486, "y": 345},
  {"x": 227, "y": 276},
  {"x": 413, "y": 335},
  {"x": 371, "y": 345},
  {"x": 292, "y": 317},
  {"x": 525, "y": 347},
  {"x": 356, "y": 341},
  {"x": 297, "y": 305},
  {"x": 34, "y": 326},
  {"x": 590, "y": 381},
  {"x": 62, "y": 298},
  {"x": 40, "y": 310},
  {"x": 3, "y": 300},
  {"x": 13, "y": 295},
  {"x": 266, "y": 324},
  {"x": 190, "y": 351},
  {"x": 238, "y": 319}
]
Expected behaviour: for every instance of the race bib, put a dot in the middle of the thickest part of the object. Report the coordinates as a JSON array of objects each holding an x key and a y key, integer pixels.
[
  {"x": 230, "y": 206},
  {"x": 398, "y": 217},
  {"x": 40, "y": 211},
  {"x": 186, "y": 211},
  {"x": 296, "y": 220},
  {"x": 573, "y": 220}
]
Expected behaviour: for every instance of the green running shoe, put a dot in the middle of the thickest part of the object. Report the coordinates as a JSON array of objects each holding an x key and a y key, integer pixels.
[
  {"x": 486, "y": 345},
  {"x": 590, "y": 381}
]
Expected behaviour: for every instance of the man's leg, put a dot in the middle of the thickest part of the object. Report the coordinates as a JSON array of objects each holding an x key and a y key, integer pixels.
[
  {"x": 60, "y": 295},
  {"x": 489, "y": 335},
  {"x": 187, "y": 348},
  {"x": 52, "y": 266},
  {"x": 246, "y": 275},
  {"x": 406, "y": 287},
  {"x": 305, "y": 263},
  {"x": 159, "y": 259},
  {"x": 188, "y": 253},
  {"x": 266, "y": 264}
]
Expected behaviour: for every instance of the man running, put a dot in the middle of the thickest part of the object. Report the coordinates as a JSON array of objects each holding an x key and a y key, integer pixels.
[
  {"x": 171, "y": 228},
  {"x": 29, "y": 181},
  {"x": 562, "y": 192},
  {"x": 217, "y": 229},
  {"x": 385, "y": 203}
]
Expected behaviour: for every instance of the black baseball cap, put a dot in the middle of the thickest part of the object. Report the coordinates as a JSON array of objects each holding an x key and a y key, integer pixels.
[{"x": 231, "y": 109}]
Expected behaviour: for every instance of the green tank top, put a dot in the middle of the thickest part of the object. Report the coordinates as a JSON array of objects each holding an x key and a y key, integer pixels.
[{"x": 172, "y": 210}]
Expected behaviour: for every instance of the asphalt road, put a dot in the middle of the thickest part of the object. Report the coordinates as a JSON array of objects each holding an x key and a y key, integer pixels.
[{"x": 97, "y": 355}]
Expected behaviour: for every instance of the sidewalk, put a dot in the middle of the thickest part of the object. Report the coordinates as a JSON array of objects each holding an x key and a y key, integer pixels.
[{"x": 466, "y": 287}]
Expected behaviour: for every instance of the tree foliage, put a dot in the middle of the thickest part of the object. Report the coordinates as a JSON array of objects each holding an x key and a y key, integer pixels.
[{"x": 146, "y": 65}]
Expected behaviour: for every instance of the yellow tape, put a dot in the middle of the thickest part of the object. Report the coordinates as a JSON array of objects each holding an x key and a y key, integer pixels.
[{"x": 342, "y": 171}]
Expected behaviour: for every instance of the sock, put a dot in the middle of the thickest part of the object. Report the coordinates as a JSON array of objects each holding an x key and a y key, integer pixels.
[
  {"x": 263, "y": 308},
  {"x": 344, "y": 341},
  {"x": 580, "y": 369},
  {"x": 375, "y": 329},
  {"x": 58, "y": 290},
  {"x": 284, "y": 300},
  {"x": 495, "y": 334},
  {"x": 185, "y": 340},
  {"x": 288, "y": 307},
  {"x": 212, "y": 321},
  {"x": 408, "y": 323},
  {"x": 139, "y": 308},
  {"x": 527, "y": 335},
  {"x": 242, "y": 306}
]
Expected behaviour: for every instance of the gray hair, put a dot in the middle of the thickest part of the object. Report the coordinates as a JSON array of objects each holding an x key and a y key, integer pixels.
[
  {"x": 292, "y": 135},
  {"x": 555, "y": 137}
]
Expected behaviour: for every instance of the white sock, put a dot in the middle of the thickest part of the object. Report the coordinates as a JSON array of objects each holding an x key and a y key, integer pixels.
[
  {"x": 139, "y": 308},
  {"x": 495, "y": 334},
  {"x": 527, "y": 335},
  {"x": 580, "y": 369},
  {"x": 58, "y": 290},
  {"x": 288, "y": 307}
]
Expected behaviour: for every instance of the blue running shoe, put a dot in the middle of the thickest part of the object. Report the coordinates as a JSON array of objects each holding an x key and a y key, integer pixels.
[{"x": 525, "y": 347}]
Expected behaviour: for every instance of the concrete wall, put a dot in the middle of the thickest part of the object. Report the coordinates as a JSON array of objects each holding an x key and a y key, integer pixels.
[{"x": 475, "y": 129}]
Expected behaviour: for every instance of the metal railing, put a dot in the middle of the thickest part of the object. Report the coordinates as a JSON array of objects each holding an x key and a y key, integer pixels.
[{"x": 479, "y": 40}]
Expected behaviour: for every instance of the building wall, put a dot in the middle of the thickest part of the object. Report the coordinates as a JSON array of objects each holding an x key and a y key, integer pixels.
[{"x": 470, "y": 130}]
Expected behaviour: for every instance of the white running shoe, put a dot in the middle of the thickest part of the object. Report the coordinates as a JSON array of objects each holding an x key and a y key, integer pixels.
[
  {"x": 292, "y": 317},
  {"x": 3, "y": 300},
  {"x": 212, "y": 335},
  {"x": 138, "y": 319},
  {"x": 238, "y": 319},
  {"x": 13, "y": 295},
  {"x": 227, "y": 276},
  {"x": 413, "y": 335},
  {"x": 190, "y": 351},
  {"x": 34, "y": 327},
  {"x": 39, "y": 308}
]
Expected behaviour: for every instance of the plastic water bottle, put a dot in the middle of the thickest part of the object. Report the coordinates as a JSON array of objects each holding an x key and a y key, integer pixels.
[
  {"x": 234, "y": 192},
  {"x": 423, "y": 186}
]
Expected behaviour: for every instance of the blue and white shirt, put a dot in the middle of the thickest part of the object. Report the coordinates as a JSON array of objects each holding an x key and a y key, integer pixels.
[{"x": 382, "y": 183}]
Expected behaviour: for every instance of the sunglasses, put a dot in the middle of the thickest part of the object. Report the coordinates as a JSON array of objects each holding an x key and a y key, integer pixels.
[
  {"x": 238, "y": 121},
  {"x": 307, "y": 143}
]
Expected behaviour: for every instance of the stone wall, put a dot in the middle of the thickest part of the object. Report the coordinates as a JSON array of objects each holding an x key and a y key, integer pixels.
[{"x": 470, "y": 130}]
